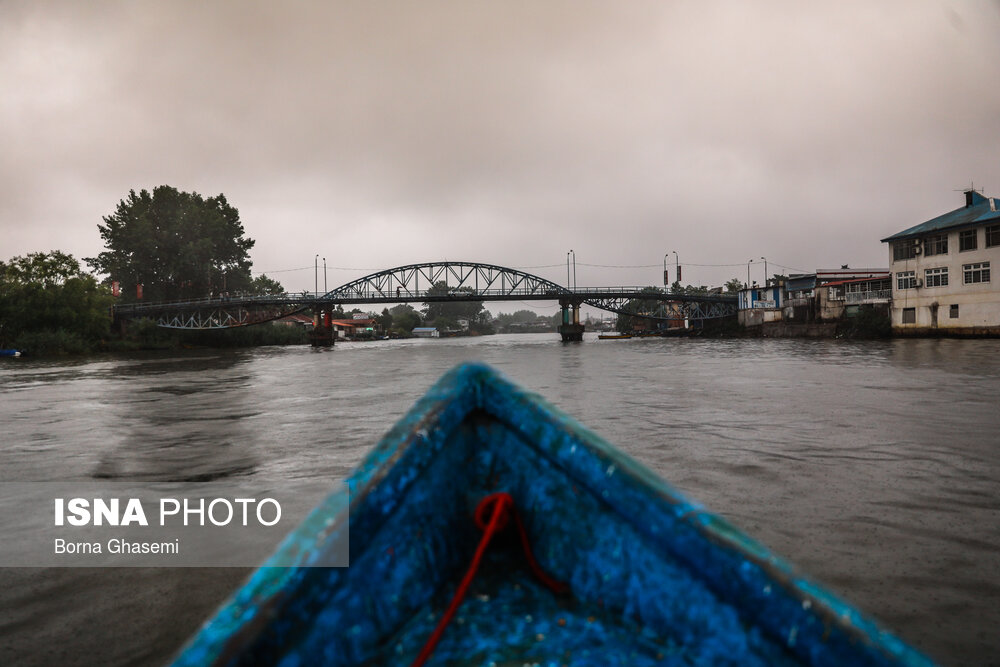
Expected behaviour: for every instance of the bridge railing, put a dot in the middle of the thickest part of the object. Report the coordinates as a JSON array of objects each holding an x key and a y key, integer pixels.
[{"x": 306, "y": 298}]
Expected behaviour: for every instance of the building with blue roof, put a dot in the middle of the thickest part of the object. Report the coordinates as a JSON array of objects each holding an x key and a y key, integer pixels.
[{"x": 942, "y": 272}]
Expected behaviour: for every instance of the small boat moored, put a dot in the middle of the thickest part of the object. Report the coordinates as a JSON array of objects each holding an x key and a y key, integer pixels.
[
  {"x": 10, "y": 353},
  {"x": 608, "y": 565}
]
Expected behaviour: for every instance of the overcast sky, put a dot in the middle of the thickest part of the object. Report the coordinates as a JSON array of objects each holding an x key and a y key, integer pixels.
[{"x": 379, "y": 134}]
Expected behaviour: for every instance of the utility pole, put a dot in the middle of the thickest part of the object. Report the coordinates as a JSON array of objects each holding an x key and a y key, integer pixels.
[
  {"x": 316, "y": 275},
  {"x": 324, "y": 276}
]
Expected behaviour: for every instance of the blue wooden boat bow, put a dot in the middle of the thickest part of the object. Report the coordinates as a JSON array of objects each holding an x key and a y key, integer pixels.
[{"x": 653, "y": 578}]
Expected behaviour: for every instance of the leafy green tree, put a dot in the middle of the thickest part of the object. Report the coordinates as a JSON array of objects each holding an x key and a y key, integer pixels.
[
  {"x": 384, "y": 320},
  {"x": 690, "y": 290},
  {"x": 262, "y": 286},
  {"x": 404, "y": 318},
  {"x": 734, "y": 285},
  {"x": 449, "y": 312},
  {"x": 175, "y": 244},
  {"x": 49, "y": 293},
  {"x": 483, "y": 324},
  {"x": 505, "y": 320}
]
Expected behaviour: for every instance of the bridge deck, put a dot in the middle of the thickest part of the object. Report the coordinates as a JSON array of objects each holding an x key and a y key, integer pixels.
[{"x": 465, "y": 281}]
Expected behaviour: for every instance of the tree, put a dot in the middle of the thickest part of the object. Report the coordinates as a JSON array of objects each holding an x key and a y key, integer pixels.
[
  {"x": 448, "y": 312},
  {"x": 175, "y": 244},
  {"x": 262, "y": 286},
  {"x": 384, "y": 321},
  {"x": 404, "y": 318},
  {"x": 734, "y": 285},
  {"x": 49, "y": 293},
  {"x": 505, "y": 320},
  {"x": 690, "y": 290}
]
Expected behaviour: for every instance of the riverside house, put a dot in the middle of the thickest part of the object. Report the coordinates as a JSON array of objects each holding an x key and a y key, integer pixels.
[{"x": 942, "y": 280}]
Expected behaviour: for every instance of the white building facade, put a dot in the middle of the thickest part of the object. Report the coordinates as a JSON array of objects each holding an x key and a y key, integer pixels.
[{"x": 942, "y": 272}]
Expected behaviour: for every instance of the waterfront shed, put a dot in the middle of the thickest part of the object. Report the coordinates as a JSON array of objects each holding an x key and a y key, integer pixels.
[{"x": 426, "y": 332}]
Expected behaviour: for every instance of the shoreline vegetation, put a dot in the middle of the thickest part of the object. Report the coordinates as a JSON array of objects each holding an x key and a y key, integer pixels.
[{"x": 144, "y": 335}]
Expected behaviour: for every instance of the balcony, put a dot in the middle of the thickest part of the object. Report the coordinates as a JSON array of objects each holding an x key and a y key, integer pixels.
[{"x": 876, "y": 296}]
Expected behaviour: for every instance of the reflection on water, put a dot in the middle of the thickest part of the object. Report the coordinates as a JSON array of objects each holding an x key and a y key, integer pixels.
[
  {"x": 190, "y": 421},
  {"x": 873, "y": 466}
]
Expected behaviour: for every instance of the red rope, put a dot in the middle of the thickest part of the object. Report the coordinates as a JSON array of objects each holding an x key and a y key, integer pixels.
[{"x": 499, "y": 507}]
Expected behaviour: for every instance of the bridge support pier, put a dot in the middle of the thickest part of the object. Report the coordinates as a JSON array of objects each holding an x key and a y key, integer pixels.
[
  {"x": 571, "y": 330},
  {"x": 323, "y": 334}
]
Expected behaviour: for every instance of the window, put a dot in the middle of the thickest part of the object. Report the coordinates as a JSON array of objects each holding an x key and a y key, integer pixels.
[
  {"x": 976, "y": 273},
  {"x": 936, "y": 245},
  {"x": 909, "y": 316},
  {"x": 967, "y": 240},
  {"x": 936, "y": 277},
  {"x": 992, "y": 236},
  {"x": 904, "y": 250},
  {"x": 906, "y": 280},
  {"x": 953, "y": 313}
]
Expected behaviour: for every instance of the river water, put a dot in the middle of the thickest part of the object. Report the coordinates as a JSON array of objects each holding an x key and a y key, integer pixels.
[{"x": 874, "y": 467}]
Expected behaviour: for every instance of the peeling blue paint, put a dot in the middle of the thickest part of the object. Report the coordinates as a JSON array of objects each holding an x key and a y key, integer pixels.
[{"x": 654, "y": 579}]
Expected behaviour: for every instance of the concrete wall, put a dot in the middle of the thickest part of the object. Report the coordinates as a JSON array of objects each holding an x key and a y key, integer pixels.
[
  {"x": 828, "y": 309},
  {"x": 754, "y": 317},
  {"x": 794, "y": 330}
]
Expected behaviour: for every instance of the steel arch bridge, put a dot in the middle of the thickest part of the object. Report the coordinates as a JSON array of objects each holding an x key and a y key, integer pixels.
[{"x": 430, "y": 282}]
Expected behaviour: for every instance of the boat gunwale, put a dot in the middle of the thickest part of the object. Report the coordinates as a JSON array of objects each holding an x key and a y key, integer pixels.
[{"x": 471, "y": 387}]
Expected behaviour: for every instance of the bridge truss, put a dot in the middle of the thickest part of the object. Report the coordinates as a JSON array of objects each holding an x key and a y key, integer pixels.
[
  {"x": 430, "y": 282},
  {"x": 465, "y": 281}
]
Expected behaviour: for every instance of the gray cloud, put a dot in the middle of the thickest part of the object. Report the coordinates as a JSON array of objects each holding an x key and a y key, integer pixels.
[{"x": 380, "y": 134}]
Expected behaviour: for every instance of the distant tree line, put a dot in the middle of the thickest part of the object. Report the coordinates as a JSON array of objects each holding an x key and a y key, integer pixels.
[
  {"x": 49, "y": 304},
  {"x": 175, "y": 245}
]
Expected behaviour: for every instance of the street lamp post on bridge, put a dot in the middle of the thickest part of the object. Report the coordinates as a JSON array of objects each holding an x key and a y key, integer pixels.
[
  {"x": 571, "y": 283},
  {"x": 677, "y": 268},
  {"x": 570, "y": 329}
]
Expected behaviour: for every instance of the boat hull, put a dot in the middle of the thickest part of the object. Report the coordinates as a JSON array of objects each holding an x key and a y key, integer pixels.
[{"x": 653, "y": 578}]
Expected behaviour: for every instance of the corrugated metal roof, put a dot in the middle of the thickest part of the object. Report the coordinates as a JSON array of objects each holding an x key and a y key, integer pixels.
[
  {"x": 884, "y": 276},
  {"x": 967, "y": 216}
]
